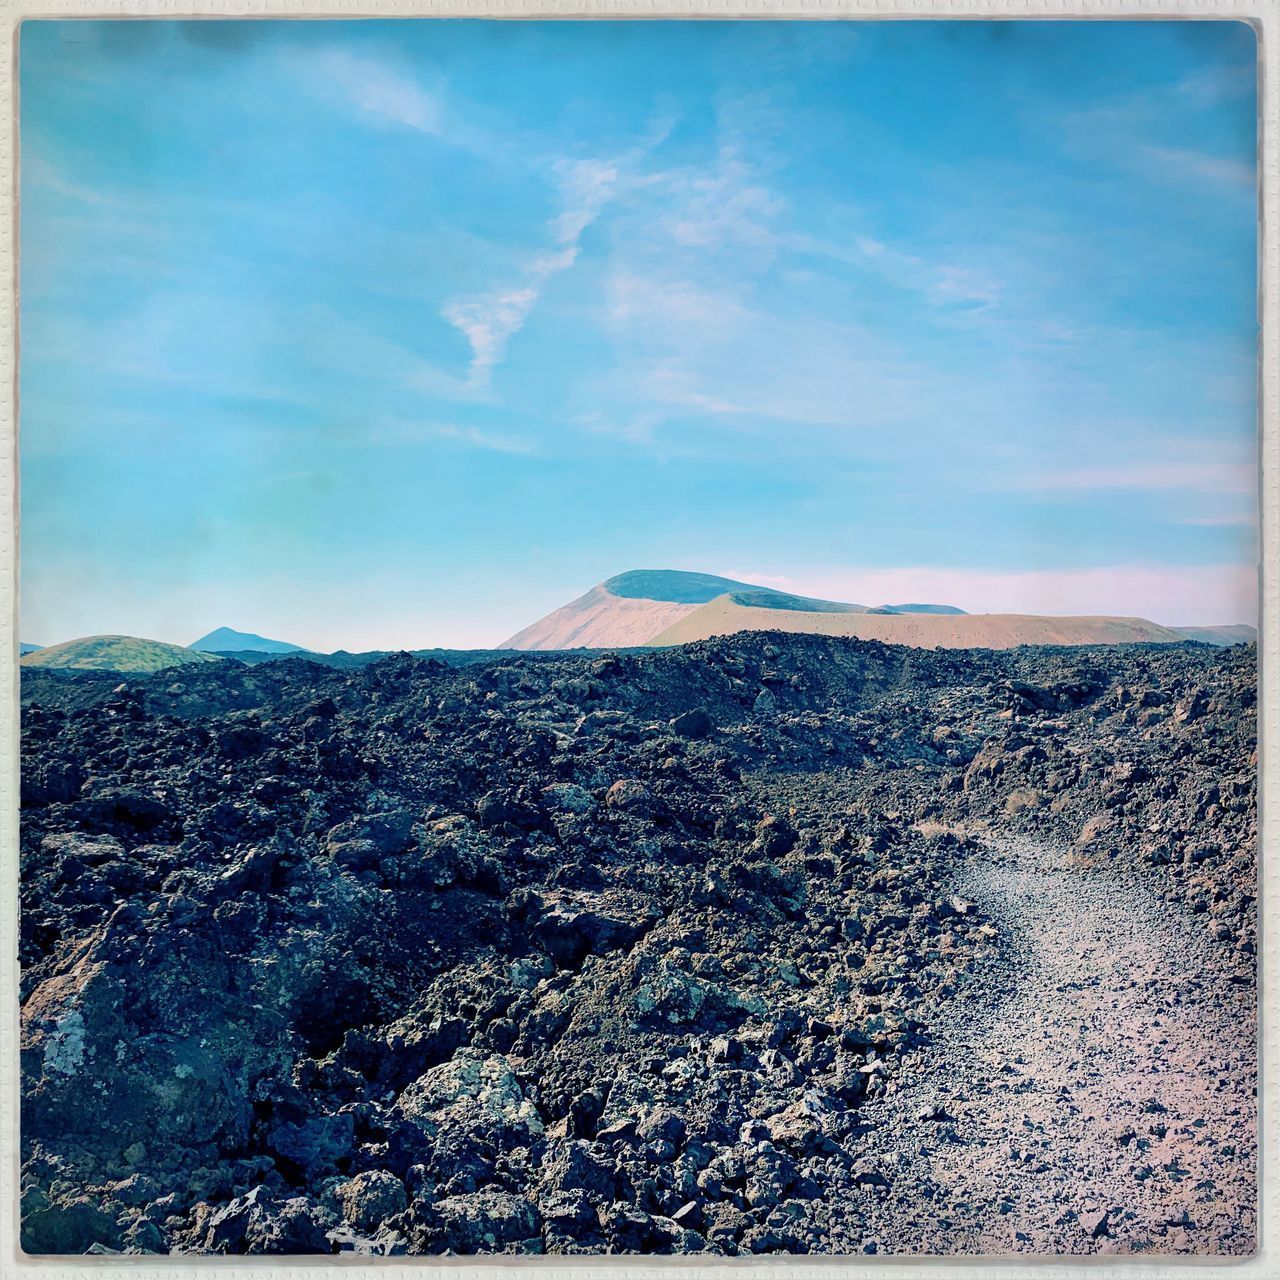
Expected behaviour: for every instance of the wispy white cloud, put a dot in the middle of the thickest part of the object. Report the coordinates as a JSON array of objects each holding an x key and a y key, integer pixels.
[
  {"x": 690, "y": 336},
  {"x": 489, "y": 321},
  {"x": 704, "y": 326},
  {"x": 638, "y": 299},
  {"x": 1223, "y": 520},
  {"x": 376, "y": 88},
  {"x": 719, "y": 207},
  {"x": 491, "y": 441},
  {"x": 940, "y": 282},
  {"x": 38, "y": 171},
  {"x": 1202, "y": 477},
  {"x": 1124, "y": 133},
  {"x": 152, "y": 344},
  {"x": 1181, "y": 164},
  {"x": 1211, "y": 85},
  {"x": 713, "y": 350},
  {"x": 397, "y": 432},
  {"x": 687, "y": 253},
  {"x": 333, "y": 342},
  {"x": 586, "y": 186}
]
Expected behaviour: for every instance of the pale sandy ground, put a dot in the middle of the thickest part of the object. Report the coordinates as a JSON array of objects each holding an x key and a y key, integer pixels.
[
  {"x": 599, "y": 620},
  {"x": 1103, "y": 1065},
  {"x": 929, "y": 631}
]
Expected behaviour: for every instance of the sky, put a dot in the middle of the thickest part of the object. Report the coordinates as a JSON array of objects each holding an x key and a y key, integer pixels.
[{"x": 403, "y": 333}]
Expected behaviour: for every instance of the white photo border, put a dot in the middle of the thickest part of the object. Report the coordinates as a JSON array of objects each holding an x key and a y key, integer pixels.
[{"x": 1264, "y": 17}]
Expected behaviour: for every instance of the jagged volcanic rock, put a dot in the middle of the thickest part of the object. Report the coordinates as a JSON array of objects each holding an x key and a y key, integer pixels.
[{"x": 577, "y": 954}]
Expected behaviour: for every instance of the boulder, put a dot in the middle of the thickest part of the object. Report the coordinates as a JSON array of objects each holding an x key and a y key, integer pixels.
[
  {"x": 629, "y": 796},
  {"x": 68, "y": 1227},
  {"x": 692, "y": 724},
  {"x": 361, "y": 843},
  {"x": 490, "y": 1221},
  {"x": 472, "y": 1093},
  {"x": 571, "y": 928},
  {"x": 369, "y": 1198},
  {"x": 316, "y": 1144},
  {"x": 568, "y": 797},
  {"x": 260, "y": 1223},
  {"x": 581, "y": 1166}
]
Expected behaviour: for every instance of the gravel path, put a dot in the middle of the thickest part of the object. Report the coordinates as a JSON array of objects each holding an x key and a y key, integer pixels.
[{"x": 1092, "y": 1091}]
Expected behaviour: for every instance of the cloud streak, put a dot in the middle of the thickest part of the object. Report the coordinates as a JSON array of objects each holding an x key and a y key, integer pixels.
[
  {"x": 1181, "y": 164},
  {"x": 489, "y": 321},
  {"x": 942, "y": 284},
  {"x": 1200, "y": 477},
  {"x": 1122, "y": 133},
  {"x": 720, "y": 206},
  {"x": 375, "y": 88},
  {"x": 491, "y": 441},
  {"x": 411, "y": 432},
  {"x": 38, "y": 171}
]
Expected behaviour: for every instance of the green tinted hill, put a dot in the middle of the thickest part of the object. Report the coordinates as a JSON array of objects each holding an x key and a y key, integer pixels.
[{"x": 115, "y": 653}]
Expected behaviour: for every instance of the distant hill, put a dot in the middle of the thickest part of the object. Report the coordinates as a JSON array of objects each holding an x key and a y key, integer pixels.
[
  {"x": 923, "y": 630},
  {"x": 633, "y": 607},
  {"x": 115, "y": 653},
  {"x": 226, "y": 640},
  {"x": 1235, "y": 633},
  {"x": 675, "y": 586},
  {"x": 625, "y": 610},
  {"x": 949, "y": 609},
  {"x": 767, "y": 598},
  {"x": 24, "y": 648}
]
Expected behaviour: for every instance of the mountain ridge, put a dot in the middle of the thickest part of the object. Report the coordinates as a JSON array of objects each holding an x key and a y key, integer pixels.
[
  {"x": 229, "y": 640},
  {"x": 658, "y": 607},
  {"x": 631, "y": 608}
]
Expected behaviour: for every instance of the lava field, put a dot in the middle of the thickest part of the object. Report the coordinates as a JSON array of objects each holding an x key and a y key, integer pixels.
[{"x": 607, "y": 952}]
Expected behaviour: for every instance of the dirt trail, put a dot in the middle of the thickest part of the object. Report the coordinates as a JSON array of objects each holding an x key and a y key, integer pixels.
[{"x": 1093, "y": 1091}]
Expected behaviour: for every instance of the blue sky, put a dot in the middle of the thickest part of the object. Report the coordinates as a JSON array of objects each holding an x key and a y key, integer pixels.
[{"x": 403, "y": 333}]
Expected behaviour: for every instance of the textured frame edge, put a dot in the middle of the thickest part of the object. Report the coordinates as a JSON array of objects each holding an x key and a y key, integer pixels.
[{"x": 1264, "y": 16}]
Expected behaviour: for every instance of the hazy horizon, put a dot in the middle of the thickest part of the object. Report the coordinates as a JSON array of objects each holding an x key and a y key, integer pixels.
[
  {"x": 376, "y": 335},
  {"x": 1011, "y": 594}
]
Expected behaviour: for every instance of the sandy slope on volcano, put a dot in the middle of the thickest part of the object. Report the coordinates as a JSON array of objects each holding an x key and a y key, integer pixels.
[
  {"x": 930, "y": 631},
  {"x": 601, "y": 619}
]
